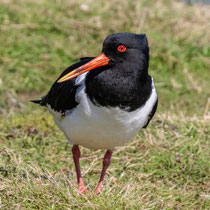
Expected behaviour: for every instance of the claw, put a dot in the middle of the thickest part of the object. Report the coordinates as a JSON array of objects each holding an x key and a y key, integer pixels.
[
  {"x": 83, "y": 189},
  {"x": 98, "y": 189}
]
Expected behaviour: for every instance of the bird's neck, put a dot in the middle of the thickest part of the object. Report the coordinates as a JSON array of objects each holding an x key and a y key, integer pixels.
[{"x": 112, "y": 88}]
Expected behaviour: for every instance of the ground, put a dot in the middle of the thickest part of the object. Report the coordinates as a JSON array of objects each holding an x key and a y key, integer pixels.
[{"x": 165, "y": 166}]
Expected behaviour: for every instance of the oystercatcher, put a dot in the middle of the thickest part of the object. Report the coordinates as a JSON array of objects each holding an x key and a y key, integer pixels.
[{"x": 102, "y": 102}]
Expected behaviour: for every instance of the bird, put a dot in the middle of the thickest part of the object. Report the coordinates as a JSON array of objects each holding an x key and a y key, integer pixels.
[{"x": 103, "y": 102}]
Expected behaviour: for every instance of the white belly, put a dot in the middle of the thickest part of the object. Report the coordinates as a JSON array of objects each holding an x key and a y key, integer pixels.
[{"x": 100, "y": 127}]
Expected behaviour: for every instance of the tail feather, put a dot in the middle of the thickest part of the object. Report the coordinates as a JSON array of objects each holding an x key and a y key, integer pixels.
[
  {"x": 36, "y": 101},
  {"x": 41, "y": 102}
]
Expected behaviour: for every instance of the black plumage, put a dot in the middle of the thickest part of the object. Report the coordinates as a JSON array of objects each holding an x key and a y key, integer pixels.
[{"x": 61, "y": 96}]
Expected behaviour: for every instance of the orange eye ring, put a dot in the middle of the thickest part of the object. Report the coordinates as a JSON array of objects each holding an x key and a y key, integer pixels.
[{"x": 121, "y": 48}]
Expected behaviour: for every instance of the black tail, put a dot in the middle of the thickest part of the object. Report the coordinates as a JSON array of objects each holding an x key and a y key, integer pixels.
[
  {"x": 41, "y": 102},
  {"x": 36, "y": 101}
]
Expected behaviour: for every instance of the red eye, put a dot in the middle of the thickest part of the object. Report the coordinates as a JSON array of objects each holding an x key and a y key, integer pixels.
[{"x": 121, "y": 48}]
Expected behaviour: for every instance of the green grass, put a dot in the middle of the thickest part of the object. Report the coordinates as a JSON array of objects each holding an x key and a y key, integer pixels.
[{"x": 165, "y": 167}]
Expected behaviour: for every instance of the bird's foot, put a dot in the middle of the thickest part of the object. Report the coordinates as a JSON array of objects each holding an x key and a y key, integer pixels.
[
  {"x": 98, "y": 189},
  {"x": 82, "y": 188}
]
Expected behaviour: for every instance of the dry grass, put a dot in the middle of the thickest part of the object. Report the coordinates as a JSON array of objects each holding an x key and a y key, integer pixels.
[{"x": 165, "y": 167}]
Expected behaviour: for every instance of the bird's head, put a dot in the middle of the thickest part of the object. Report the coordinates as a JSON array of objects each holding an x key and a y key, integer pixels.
[
  {"x": 125, "y": 47},
  {"x": 120, "y": 49}
]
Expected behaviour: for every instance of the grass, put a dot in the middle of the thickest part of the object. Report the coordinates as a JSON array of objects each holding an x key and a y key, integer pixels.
[{"x": 165, "y": 167}]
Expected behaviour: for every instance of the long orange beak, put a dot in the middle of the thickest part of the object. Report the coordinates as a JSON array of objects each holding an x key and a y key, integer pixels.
[{"x": 101, "y": 60}]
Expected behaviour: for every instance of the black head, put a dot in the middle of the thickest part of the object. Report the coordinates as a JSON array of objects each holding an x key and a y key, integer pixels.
[
  {"x": 127, "y": 53},
  {"x": 122, "y": 48},
  {"x": 124, "y": 82}
]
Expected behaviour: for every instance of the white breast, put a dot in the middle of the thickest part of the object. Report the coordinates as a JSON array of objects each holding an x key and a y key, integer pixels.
[{"x": 101, "y": 127}]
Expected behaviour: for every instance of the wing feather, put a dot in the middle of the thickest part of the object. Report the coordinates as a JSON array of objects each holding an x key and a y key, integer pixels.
[{"x": 61, "y": 96}]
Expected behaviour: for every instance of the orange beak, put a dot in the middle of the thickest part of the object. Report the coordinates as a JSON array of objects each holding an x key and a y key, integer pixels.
[{"x": 101, "y": 60}]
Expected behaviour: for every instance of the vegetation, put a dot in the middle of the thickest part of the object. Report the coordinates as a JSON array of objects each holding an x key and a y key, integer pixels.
[{"x": 165, "y": 167}]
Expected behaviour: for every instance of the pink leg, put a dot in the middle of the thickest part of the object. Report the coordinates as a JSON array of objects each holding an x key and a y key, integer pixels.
[
  {"x": 76, "y": 156},
  {"x": 106, "y": 163}
]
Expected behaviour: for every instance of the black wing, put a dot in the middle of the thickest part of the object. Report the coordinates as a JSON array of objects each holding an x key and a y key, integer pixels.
[
  {"x": 61, "y": 96},
  {"x": 151, "y": 113}
]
